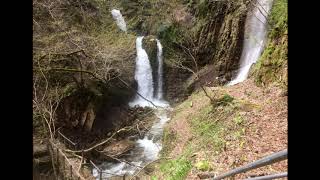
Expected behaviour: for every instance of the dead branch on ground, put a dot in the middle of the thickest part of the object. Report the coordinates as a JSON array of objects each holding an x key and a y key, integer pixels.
[{"x": 127, "y": 128}]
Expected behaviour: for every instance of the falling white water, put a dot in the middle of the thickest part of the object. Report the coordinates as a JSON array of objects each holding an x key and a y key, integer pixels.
[
  {"x": 147, "y": 149},
  {"x": 160, "y": 70},
  {"x": 143, "y": 76},
  {"x": 119, "y": 19},
  {"x": 255, "y": 35}
]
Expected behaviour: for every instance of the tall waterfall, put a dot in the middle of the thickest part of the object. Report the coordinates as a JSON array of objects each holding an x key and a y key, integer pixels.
[
  {"x": 119, "y": 19},
  {"x": 160, "y": 70},
  {"x": 143, "y": 76},
  {"x": 255, "y": 35}
]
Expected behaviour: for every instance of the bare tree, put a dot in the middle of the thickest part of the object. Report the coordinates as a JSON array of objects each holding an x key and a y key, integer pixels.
[{"x": 188, "y": 37}]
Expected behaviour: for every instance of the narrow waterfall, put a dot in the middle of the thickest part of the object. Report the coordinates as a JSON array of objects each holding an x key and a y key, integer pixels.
[
  {"x": 254, "y": 40},
  {"x": 117, "y": 16},
  {"x": 160, "y": 71},
  {"x": 143, "y": 76}
]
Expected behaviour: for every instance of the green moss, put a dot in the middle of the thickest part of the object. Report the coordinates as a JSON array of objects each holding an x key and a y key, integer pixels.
[
  {"x": 176, "y": 169},
  {"x": 203, "y": 165},
  {"x": 238, "y": 119},
  {"x": 169, "y": 140},
  {"x": 170, "y": 33},
  {"x": 207, "y": 129},
  {"x": 225, "y": 100},
  {"x": 154, "y": 178}
]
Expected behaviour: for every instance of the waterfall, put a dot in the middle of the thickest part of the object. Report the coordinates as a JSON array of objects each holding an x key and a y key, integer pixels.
[
  {"x": 255, "y": 35},
  {"x": 160, "y": 70},
  {"x": 143, "y": 76},
  {"x": 117, "y": 16},
  {"x": 147, "y": 148}
]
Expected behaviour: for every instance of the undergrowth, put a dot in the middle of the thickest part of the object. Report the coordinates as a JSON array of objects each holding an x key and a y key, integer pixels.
[
  {"x": 177, "y": 169},
  {"x": 212, "y": 129}
]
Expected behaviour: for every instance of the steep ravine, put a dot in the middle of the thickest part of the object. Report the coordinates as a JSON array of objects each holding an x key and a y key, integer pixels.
[{"x": 211, "y": 33}]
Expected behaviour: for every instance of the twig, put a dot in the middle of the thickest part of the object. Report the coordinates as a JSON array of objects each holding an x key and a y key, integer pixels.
[
  {"x": 138, "y": 130},
  {"x": 103, "y": 142},
  {"x": 126, "y": 84},
  {"x": 124, "y": 161},
  {"x": 197, "y": 71},
  {"x": 66, "y": 158},
  {"x": 257, "y": 1},
  {"x": 79, "y": 71},
  {"x": 73, "y": 143},
  {"x": 36, "y": 22}
]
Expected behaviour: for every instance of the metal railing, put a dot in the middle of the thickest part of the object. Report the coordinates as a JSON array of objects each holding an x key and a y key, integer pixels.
[{"x": 270, "y": 159}]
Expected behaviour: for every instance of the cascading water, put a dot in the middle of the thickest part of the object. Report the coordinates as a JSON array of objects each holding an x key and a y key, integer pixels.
[
  {"x": 119, "y": 19},
  {"x": 143, "y": 76},
  {"x": 160, "y": 70},
  {"x": 147, "y": 149},
  {"x": 255, "y": 35}
]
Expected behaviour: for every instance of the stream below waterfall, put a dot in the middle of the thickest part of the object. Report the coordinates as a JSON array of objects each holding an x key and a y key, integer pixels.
[{"x": 147, "y": 148}]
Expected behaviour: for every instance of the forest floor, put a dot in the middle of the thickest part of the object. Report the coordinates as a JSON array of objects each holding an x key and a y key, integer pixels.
[{"x": 248, "y": 123}]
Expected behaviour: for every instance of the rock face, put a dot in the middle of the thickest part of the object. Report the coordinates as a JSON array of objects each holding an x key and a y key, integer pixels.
[
  {"x": 215, "y": 40},
  {"x": 90, "y": 110},
  {"x": 175, "y": 79},
  {"x": 219, "y": 40}
]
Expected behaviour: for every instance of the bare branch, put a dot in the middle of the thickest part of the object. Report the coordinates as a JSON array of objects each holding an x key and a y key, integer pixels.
[{"x": 101, "y": 143}]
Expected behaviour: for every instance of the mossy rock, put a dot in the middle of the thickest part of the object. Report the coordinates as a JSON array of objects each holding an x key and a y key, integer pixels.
[{"x": 149, "y": 44}]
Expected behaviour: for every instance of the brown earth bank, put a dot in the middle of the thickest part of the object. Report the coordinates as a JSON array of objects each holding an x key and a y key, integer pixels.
[{"x": 262, "y": 130}]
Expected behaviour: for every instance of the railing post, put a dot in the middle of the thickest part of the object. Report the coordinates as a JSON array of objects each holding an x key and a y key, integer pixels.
[{"x": 100, "y": 174}]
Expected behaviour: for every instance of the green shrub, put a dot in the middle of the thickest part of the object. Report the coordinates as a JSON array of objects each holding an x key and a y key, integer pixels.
[
  {"x": 176, "y": 169},
  {"x": 203, "y": 165}
]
